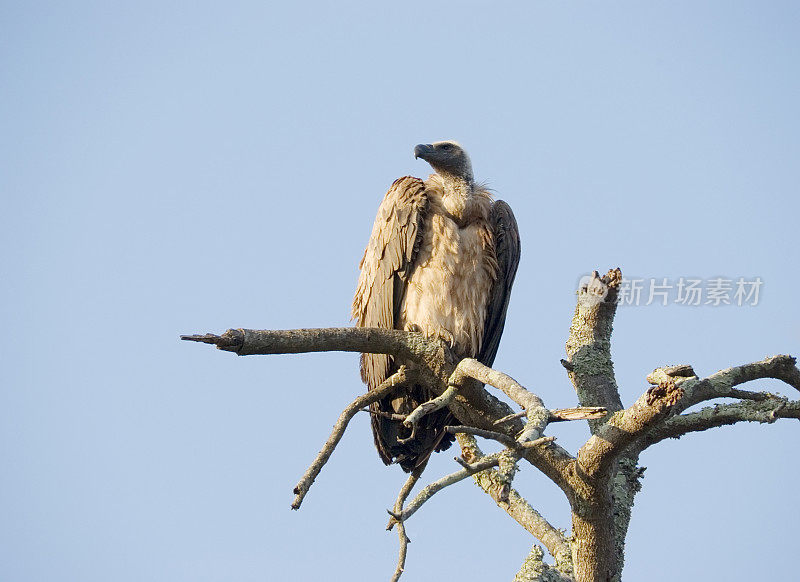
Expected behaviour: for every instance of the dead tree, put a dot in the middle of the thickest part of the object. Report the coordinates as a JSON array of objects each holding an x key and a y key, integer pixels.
[{"x": 600, "y": 481}]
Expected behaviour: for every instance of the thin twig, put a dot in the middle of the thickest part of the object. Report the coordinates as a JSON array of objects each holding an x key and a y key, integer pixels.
[
  {"x": 487, "y": 434},
  {"x": 431, "y": 405},
  {"x": 499, "y": 437},
  {"x": 347, "y": 414},
  {"x": 405, "y": 490},
  {"x": 382, "y": 414},
  {"x": 563, "y": 414},
  {"x": 514, "y": 416},
  {"x": 486, "y": 462},
  {"x": 402, "y": 553}
]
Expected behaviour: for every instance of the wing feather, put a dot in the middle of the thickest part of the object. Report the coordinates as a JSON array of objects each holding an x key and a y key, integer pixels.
[
  {"x": 507, "y": 249},
  {"x": 387, "y": 263}
]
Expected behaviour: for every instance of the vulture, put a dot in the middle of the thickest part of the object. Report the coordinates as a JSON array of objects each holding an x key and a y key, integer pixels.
[{"x": 441, "y": 260}]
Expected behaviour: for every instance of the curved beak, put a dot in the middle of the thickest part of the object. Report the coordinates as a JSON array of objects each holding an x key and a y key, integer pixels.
[{"x": 423, "y": 150}]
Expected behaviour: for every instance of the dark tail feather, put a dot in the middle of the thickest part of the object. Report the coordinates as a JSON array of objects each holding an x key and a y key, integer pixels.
[{"x": 394, "y": 441}]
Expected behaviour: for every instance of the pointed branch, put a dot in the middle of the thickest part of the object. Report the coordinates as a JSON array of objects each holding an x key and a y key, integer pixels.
[
  {"x": 249, "y": 342},
  {"x": 564, "y": 414},
  {"x": 578, "y": 413},
  {"x": 387, "y": 387}
]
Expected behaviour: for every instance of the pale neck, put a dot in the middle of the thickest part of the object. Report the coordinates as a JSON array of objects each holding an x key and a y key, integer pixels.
[{"x": 457, "y": 191}]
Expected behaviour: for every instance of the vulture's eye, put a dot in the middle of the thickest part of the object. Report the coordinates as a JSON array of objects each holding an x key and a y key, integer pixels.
[{"x": 447, "y": 146}]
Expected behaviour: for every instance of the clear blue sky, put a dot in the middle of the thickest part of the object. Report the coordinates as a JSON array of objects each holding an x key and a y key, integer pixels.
[{"x": 181, "y": 167}]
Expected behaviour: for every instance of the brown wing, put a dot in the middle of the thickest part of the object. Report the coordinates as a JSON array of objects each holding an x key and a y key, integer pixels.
[
  {"x": 387, "y": 263},
  {"x": 507, "y": 249}
]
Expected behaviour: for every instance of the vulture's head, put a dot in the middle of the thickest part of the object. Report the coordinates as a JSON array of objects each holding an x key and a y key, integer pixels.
[{"x": 448, "y": 158}]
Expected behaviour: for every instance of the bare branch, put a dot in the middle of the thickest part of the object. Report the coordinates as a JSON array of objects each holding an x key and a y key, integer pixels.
[
  {"x": 405, "y": 490},
  {"x": 230, "y": 341},
  {"x": 763, "y": 410},
  {"x": 720, "y": 384},
  {"x": 389, "y": 385},
  {"x": 578, "y": 413},
  {"x": 431, "y": 405},
  {"x": 516, "y": 506},
  {"x": 506, "y": 471},
  {"x": 564, "y": 414},
  {"x": 407, "y": 487},
  {"x": 487, "y": 434},
  {"x": 474, "y": 369},
  {"x": 624, "y": 434},
  {"x": 382, "y": 414},
  {"x": 589, "y": 364},
  {"x": 538, "y": 416},
  {"x": 508, "y": 417},
  {"x": 429, "y": 491},
  {"x": 249, "y": 342},
  {"x": 537, "y": 442},
  {"x": 596, "y": 516},
  {"x": 748, "y": 395},
  {"x": 499, "y": 437}
]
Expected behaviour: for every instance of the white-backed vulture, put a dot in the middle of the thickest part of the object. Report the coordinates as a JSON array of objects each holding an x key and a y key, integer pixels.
[{"x": 441, "y": 260}]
